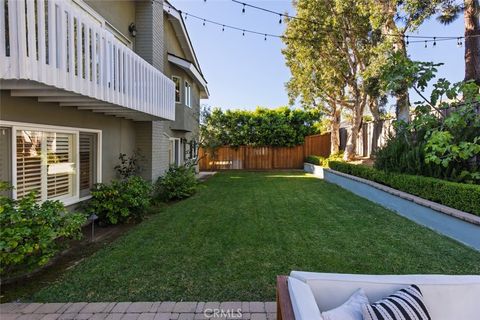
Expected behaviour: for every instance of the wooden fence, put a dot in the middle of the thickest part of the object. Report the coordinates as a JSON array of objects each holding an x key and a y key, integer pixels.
[{"x": 264, "y": 158}]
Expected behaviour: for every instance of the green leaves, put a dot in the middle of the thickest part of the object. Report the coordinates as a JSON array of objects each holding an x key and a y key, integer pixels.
[
  {"x": 261, "y": 127},
  {"x": 120, "y": 201},
  {"x": 176, "y": 184},
  {"x": 29, "y": 231}
]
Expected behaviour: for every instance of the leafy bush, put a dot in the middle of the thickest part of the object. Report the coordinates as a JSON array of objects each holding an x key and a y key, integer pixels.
[
  {"x": 121, "y": 200},
  {"x": 29, "y": 231},
  {"x": 322, "y": 161},
  {"x": 443, "y": 138},
  {"x": 129, "y": 166},
  {"x": 465, "y": 197},
  {"x": 281, "y": 127},
  {"x": 177, "y": 183}
]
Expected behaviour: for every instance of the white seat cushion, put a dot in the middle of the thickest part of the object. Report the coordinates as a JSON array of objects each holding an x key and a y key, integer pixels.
[
  {"x": 303, "y": 302},
  {"x": 448, "y": 297}
]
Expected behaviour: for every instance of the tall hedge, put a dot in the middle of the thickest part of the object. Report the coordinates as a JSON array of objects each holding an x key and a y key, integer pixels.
[
  {"x": 281, "y": 127},
  {"x": 465, "y": 197}
]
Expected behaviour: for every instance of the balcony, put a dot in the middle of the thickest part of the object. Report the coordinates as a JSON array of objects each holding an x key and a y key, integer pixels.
[{"x": 56, "y": 52}]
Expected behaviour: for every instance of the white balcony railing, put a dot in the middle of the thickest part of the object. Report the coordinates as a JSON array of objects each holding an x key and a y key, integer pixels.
[{"x": 55, "y": 43}]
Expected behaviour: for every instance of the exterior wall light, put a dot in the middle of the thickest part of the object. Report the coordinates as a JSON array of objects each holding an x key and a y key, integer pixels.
[{"x": 132, "y": 29}]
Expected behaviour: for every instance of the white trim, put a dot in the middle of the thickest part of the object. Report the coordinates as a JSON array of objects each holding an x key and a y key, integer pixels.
[
  {"x": 179, "y": 88},
  {"x": 187, "y": 94},
  {"x": 15, "y": 126},
  {"x": 191, "y": 70}
]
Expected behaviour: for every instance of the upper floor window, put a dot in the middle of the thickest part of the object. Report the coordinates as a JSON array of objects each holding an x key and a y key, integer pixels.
[
  {"x": 188, "y": 94},
  {"x": 177, "y": 81}
]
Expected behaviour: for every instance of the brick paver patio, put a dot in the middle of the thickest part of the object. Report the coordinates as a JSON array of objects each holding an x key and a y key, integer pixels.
[{"x": 139, "y": 311}]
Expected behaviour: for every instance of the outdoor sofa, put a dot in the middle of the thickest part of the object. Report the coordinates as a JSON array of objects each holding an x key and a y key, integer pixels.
[{"x": 447, "y": 297}]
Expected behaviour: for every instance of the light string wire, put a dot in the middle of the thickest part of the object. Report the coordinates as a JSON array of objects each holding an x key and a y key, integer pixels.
[{"x": 427, "y": 39}]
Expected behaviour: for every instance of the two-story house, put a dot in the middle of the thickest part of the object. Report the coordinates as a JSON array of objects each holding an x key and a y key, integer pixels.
[{"x": 82, "y": 81}]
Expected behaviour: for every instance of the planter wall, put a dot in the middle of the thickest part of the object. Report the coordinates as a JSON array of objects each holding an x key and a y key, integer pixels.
[{"x": 463, "y": 227}]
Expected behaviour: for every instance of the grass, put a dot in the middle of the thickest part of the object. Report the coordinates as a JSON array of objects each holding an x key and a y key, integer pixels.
[{"x": 230, "y": 240}]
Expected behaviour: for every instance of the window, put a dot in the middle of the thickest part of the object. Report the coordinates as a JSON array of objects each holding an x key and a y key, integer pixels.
[
  {"x": 188, "y": 94},
  {"x": 5, "y": 158},
  {"x": 88, "y": 162},
  {"x": 177, "y": 81},
  {"x": 174, "y": 151},
  {"x": 57, "y": 163}
]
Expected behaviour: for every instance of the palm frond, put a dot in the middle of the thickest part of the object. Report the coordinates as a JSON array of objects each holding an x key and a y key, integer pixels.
[{"x": 450, "y": 13}]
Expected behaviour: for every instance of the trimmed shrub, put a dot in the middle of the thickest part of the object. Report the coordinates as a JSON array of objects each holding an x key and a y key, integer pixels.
[
  {"x": 322, "y": 161},
  {"x": 29, "y": 232},
  {"x": 177, "y": 183},
  {"x": 461, "y": 196},
  {"x": 121, "y": 200}
]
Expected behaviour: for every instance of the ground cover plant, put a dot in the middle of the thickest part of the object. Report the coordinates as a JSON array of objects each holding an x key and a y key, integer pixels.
[{"x": 241, "y": 229}]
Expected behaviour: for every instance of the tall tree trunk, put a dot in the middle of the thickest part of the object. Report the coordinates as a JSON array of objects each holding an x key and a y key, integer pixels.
[
  {"x": 335, "y": 131},
  {"x": 472, "y": 43},
  {"x": 402, "y": 108},
  {"x": 377, "y": 124},
  {"x": 351, "y": 147}
]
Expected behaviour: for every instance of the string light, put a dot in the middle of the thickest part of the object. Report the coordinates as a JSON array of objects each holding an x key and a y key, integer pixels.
[
  {"x": 459, "y": 42},
  {"x": 280, "y": 20},
  {"x": 425, "y": 40},
  {"x": 325, "y": 30},
  {"x": 265, "y": 38},
  {"x": 243, "y": 9}
]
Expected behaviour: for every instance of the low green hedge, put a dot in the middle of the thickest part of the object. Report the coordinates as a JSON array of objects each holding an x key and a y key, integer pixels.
[
  {"x": 316, "y": 160},
  {"x": 465, "y": 197},
  {"x": 322, "y": 161}
]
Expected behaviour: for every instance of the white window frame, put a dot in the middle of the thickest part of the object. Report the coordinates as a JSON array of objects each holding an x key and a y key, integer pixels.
[
  {"x": 15, "y": 126},
  {"x": 178, "y": 151},
  {"x": 188, "y": 94},
  {"x": 179, "y": 88}
]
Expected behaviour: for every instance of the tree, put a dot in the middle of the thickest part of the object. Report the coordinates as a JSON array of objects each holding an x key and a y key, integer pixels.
[
  {"x": 394, "y": 18},
  {"x": 450, "y": 11},
  {"x": 327, "y": 50}
]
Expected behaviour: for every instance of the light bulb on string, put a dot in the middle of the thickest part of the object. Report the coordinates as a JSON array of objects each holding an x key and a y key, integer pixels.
[
  {"x": 243, "y": 33},
  {"x": 243, "y": 9},
  {"x": 459, "y": 42},
  {"x": 223, "y": 28},
  {"x": 434, "y": 41},
  {"x": 204, "y": 22},
  {"x": 426, "y": 43},
  {"x": 186, "y": 16},
  {"x": 408, "y": 42},
  {"x": 265, "y": 38},
  {"x": 280, "y": 20}
]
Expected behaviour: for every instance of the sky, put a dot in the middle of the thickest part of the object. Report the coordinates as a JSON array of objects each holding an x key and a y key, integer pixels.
[{"x": 244, "y": 72}]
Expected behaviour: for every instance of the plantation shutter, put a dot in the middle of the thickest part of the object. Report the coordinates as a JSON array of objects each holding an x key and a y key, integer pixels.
[
  {"x": 87, "y": 162},
  {"x": 60, "y": 164},
  {"x": 6, "y": 158},
  {"x": 29, "y": 163}
]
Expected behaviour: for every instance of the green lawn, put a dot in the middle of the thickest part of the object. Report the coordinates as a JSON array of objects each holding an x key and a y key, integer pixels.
[{"x": 230, "y": 240}]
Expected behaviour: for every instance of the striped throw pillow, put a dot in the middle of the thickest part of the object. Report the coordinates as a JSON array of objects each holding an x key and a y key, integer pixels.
[{"x": 405, "y": 304}]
